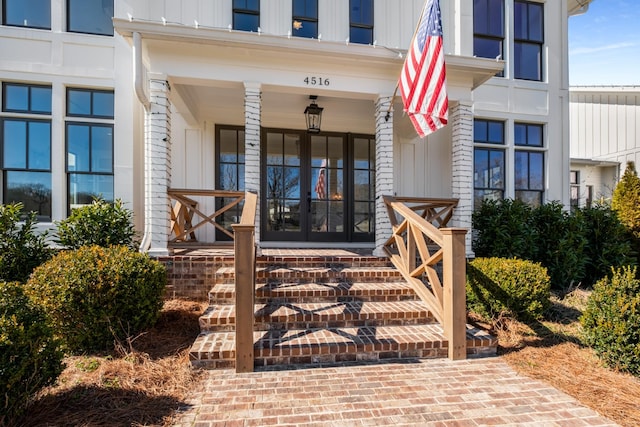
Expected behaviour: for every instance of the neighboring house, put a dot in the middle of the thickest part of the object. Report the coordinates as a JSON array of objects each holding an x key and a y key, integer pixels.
[
  {"x": 211, "y": 94},
  {"x": 605, "y": 135}
]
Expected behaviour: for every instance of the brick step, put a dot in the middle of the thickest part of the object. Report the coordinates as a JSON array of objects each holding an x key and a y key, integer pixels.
[
  {"x": 224, "y": 293},
  {"x": 286, "y": 315},
  {"x": 324, "y": 261},
  {"x": 333, "y": 345},
  {"x": 319, "y": 274}
]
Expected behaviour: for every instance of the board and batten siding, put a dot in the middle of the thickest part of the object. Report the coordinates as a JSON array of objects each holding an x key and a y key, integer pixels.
[{"x": 605, "y": 124}]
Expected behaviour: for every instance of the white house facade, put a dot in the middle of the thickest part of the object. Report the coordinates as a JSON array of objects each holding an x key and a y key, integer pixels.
[
  {"x": 605, "y": 136},
  {"x": 128, "y": 99}
]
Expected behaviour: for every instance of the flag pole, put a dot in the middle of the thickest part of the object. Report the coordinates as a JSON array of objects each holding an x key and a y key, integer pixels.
[{"x": 415, "y": 31}]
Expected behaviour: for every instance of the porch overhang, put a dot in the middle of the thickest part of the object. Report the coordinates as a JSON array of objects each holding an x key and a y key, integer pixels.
[{"x": 462, "y": 71}]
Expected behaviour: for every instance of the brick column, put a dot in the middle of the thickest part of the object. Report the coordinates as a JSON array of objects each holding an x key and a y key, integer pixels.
[
  {"x": 158, "y": 165},
  {"x": 252, "y": 119},
  {"x": 384, "y": 170},
  {"x": 462, "y": 167}
]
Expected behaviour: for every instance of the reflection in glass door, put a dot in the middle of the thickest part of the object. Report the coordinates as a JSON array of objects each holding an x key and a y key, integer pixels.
[
  {"x": 282, "y": 202},
  {"x": 327, "y": 188}
]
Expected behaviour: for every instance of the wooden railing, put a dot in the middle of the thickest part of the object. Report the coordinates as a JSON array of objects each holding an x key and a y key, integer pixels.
[
  {"x": 185, "y": 211},
  {"x": 245, "y": 277},
  {"x": 432, "y": 259}
]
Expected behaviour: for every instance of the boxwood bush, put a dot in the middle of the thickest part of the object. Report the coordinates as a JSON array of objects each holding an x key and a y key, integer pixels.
[
  {"x": 30, "y": 357},
  {"x": 21, "y": 248},
  {"x": 611, "y": 321},
  {"x": 498, "y": 286},
  {"x": 95, "y": 295},
  {"x": 100, "y": 223}
]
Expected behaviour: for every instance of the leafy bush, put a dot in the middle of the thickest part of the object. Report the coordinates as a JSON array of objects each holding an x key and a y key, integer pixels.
[
  {"x": 608, "y": 243},
  {"x": 626, "y": 199},
  {"x": 497, "y": 286},
  {"x": 100, "y": 223},
  {"x": 95, "y": 294},
  {"x": 559, "y": 244},
  {"x": 21, "y": 249},
  {"x": 611, "y": 320},
  {"x": 30, "y": 358},
  {"x": 504, "y": 229}
]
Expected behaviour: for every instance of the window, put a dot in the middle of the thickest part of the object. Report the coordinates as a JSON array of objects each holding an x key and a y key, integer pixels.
[
  {"x": 364, "y": 186},
  {"x": 528, "y": 40},
  {"x": 26, "y": 148},
  {"x": 528, "y": 135},
  {"x": 574, "y": 181},
  {"x": 90, "y": 16},
  {"x": 230, "y": 173},
  {"x": 488, "y": 29},
  {"x": 246, "y": 15},
  {"x": 361, "y": 21},
  {"x": 89, "y": 146},
  {"x": 529, "y": 173},
  {"x": 488, "y": 162},
  {"x": 305, "y": 18},
  {"x": 27, "y": 13}
]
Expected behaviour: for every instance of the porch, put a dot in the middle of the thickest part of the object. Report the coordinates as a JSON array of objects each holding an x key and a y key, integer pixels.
[{"x": 327, "y": 305}]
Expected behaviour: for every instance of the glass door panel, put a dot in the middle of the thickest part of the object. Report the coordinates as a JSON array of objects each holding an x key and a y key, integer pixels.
[{"x": 364, "y": 192}]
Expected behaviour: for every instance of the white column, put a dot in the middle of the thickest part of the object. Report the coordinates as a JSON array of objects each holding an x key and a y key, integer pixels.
[
  {"x": 384, "y": 170},
  {"x": 462, "y": 167},
  {"x": 252, "y": 118},
  {"x": 158, "y": 165}
]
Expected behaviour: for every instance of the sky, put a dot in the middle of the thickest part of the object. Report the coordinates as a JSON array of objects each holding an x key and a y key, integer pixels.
[{"x": 604, "y": 44}]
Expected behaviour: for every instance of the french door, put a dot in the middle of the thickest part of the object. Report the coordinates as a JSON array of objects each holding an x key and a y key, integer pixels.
[{"x": 317, "y": 187}]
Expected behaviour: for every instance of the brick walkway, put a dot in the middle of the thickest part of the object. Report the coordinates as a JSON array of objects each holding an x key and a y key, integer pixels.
[{"x": 436, "y": 392}]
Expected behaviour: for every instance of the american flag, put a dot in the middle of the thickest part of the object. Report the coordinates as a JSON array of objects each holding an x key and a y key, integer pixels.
[
  {"x": 319, "y": 189},
  {"x": 422, "y": 81}
]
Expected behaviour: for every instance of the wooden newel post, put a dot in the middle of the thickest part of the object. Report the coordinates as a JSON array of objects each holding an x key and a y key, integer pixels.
[
  {"x": 245, "y": 253},
  {"x": 454, "y": 278}
]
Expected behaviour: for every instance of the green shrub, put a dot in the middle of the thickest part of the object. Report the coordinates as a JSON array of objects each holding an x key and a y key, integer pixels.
[
  {"x": 95, "y": 295},
  {"x": 504, "y": 229},
  {"x": 608, "y": 243},
  {"x": 559, "y": 244},
  {"x": 21, "y": 249},
  {"x": 611, "y": 321},
  {"x": 30, "y": 358},
  {"x": 626, "y": 199},
  {"x": 497, "y": 286},
  {"x": 100, "y": 223}
]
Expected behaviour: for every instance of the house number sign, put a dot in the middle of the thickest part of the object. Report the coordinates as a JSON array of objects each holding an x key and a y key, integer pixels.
[{"x": 316, "y": 81}]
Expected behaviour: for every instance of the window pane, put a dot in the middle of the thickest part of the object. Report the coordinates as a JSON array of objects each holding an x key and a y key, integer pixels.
[
  {"x": 536, "y": 171},
  {"x": 480, "y": 195},
  {"x": 534, "y": 135},
  {"x": 90, "y": 16},
  {"x": 487, "y": 48},
  {"x": 228, "y": 145},
  {"x": 480, "y": 15},
  {"x": 39, "y": 145},
  {"x": 480, "y": 130},
  {"x": 245, "y": 22},
  {"x": 528, "y": 61},
  {"x": 361, "y": 35},
  {"x": 228, "y": 176},
  {"x": 535, "y": 22},
  {"x": 520, "y": 20},
  {"x": 292, "y": 149},
  {"x": 16, "y": 98},
  {"x": 496, "y": 18},
  {"x": 363, "y": 218},
  {"x": 532, "y": 198},
  {"x": 28, "y": 13},
  {"x": 103, "y": 104},
  {"x": 15, "y": 144},
  {"x": 362, "y": 12},
  {"x": 496, "y": 169},
  {"x": 520, "y": 134},
  {"x": 83, "y": 188},
  {"x": 101, "y": 149},
  {"x": 41, "y": 99},
  {"x": 522, "y": 170},
  {"x": 480, "y": 168},
  {"x": 78, "y": 148},
  {"x": 496, "y": 132},
  {"x": 308, "y": 29},
  {"x": 32, "y": 189},
  {"x": 305, "y": 8},
  {"x": 79, "y": 102}
]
